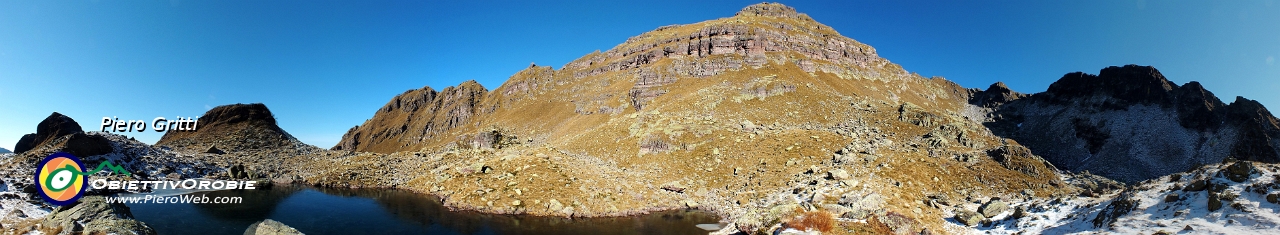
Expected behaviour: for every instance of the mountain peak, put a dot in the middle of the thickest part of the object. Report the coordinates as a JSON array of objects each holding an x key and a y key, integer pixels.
[
  {"x": 771, "y": 10},
  {"x": 231, "y": 127}
]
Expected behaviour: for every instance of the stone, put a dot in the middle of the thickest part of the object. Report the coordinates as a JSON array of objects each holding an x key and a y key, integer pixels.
[
  {"x": 93, "y": 215},
  {"x": 1019, "y": 212},
  {"x": 214, "y": 150},
  {"x": 270, "y": 227},
  {"x": 1214, "y": 202},
  {"x": 1172, "y": 197},
  {"x": 1196, "y": 186},
  {"x": 690, "y": 203},
  {"x": 674, "y": 186},
  {"x": 515, "y": 203},
  {"x": 838, "y": 174},
  {"x": 555, "y": 205},
  {"x": 969, "y": 218},
  {"x": 861, "y": 204},
  {"x": 993, "y": 207},
  {"x": 1240, "y": 171},
  {"x": 1118, "y": 207},
  {"x": 1273, "y": 198}
]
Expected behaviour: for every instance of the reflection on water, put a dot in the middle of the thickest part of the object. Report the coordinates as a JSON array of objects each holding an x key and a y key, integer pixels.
[{"x": 384, "y": 211}]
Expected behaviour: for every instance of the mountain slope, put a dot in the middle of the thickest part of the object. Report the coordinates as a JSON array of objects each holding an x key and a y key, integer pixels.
[
  {"x": 736, "y": 115},
  {"x": 1130, "y": 123}
]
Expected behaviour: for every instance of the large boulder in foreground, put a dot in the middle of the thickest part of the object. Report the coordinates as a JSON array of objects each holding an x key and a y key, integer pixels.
[
  {"x": 271, "y": 227},
  {"x": 93, "y": 215},
  {"x": 231, "y": 127},
  {"x": 54, "y": 126}
]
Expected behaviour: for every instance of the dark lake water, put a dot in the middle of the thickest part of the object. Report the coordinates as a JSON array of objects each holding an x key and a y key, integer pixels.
[{"x": 385, "y": 211}]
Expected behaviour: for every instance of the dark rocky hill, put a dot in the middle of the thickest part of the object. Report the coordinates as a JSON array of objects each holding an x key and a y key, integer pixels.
[
  {"x": 1130, "y": 123},
  {"x": 232, "y": 127}
]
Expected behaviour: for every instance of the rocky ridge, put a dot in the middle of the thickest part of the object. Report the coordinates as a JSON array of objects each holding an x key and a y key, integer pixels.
[{"x": 1130, "y": 123}]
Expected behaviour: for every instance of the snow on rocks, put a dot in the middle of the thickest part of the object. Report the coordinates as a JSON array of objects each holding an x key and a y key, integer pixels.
[{"x": 1241, "y": 189}]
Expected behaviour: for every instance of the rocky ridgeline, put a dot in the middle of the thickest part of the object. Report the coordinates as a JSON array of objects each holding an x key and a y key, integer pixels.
[
  {"x": 413, "y": 116},
  {"x": 1130, "y": 123}
]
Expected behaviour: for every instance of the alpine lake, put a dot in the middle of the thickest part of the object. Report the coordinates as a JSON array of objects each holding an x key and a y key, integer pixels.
[{"x": 318, "y": 210}]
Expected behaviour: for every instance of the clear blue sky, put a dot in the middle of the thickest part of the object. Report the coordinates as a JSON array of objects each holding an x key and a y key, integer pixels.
[{"x": 325, "y": 66}]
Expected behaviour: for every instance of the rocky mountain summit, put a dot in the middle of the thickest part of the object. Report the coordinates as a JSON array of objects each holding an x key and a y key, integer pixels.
[
  {"x": 1130, "y": 123},
  {"x": 745, "y": 116},
  {"x": 232, "y": 127}
]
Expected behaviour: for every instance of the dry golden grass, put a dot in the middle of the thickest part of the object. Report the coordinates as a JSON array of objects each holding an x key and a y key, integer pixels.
[{"x": 817, "y": 220}]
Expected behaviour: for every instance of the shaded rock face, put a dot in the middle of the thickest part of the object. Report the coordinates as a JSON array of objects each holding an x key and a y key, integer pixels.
[
  {"x": 83, "y": 145},
  {"x": 415, "y": 115},
  {"x": 93, "y": 215},
  {"x": 54, "y": 126},
  {"x": 233, "y": 127},
  {"x": 1130, "y": 124}
]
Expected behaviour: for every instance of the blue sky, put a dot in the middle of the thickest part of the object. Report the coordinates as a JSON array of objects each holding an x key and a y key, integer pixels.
[{"x": 325, "y": 66}]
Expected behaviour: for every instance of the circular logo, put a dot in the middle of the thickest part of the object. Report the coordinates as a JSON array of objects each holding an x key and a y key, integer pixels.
[{"x": 60, "y": 179}]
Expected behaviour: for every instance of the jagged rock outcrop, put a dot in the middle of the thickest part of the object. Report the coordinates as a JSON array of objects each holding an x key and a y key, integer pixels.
[
  {"x": 994, "y": 96},
  {"x": 415, "y": 117},
  {"x": 233, "y": 127},
  {"x": 61, "y": 133},
  {"x": 54, "y": 126},
  {"x": 1130, "y": 123}
]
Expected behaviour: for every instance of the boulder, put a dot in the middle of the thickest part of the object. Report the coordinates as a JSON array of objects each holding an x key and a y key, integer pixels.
[
  {"x": 93, "y": 215},
  {"x": 1214, "y": 202},
  {"x": 214, "y": 150},
  {"x": 1121, "y": 206},
  {"x": 1239, "y": 171},
  {"x": 270, "y": 227},
  {"x": 861, "y": 204},
  {"x": 674, "y": 186},
  {"x": 838, "y": 174},
  {"x": 1196, "y": 186},
  {"x": 969, "y": 218},
  {"x": 993, "y": 207}
]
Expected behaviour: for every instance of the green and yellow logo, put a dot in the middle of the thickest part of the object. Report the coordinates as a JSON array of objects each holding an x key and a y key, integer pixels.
[{"x": 61, "y": 177}]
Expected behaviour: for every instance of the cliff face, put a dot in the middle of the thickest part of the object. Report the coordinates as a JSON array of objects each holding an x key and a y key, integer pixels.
[
  {"x": 414, "y": 117},
  {"x": 232, "y": 127},
  {"x": 1130, "y": 123},
  {"x": 763, "y": 51}
]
